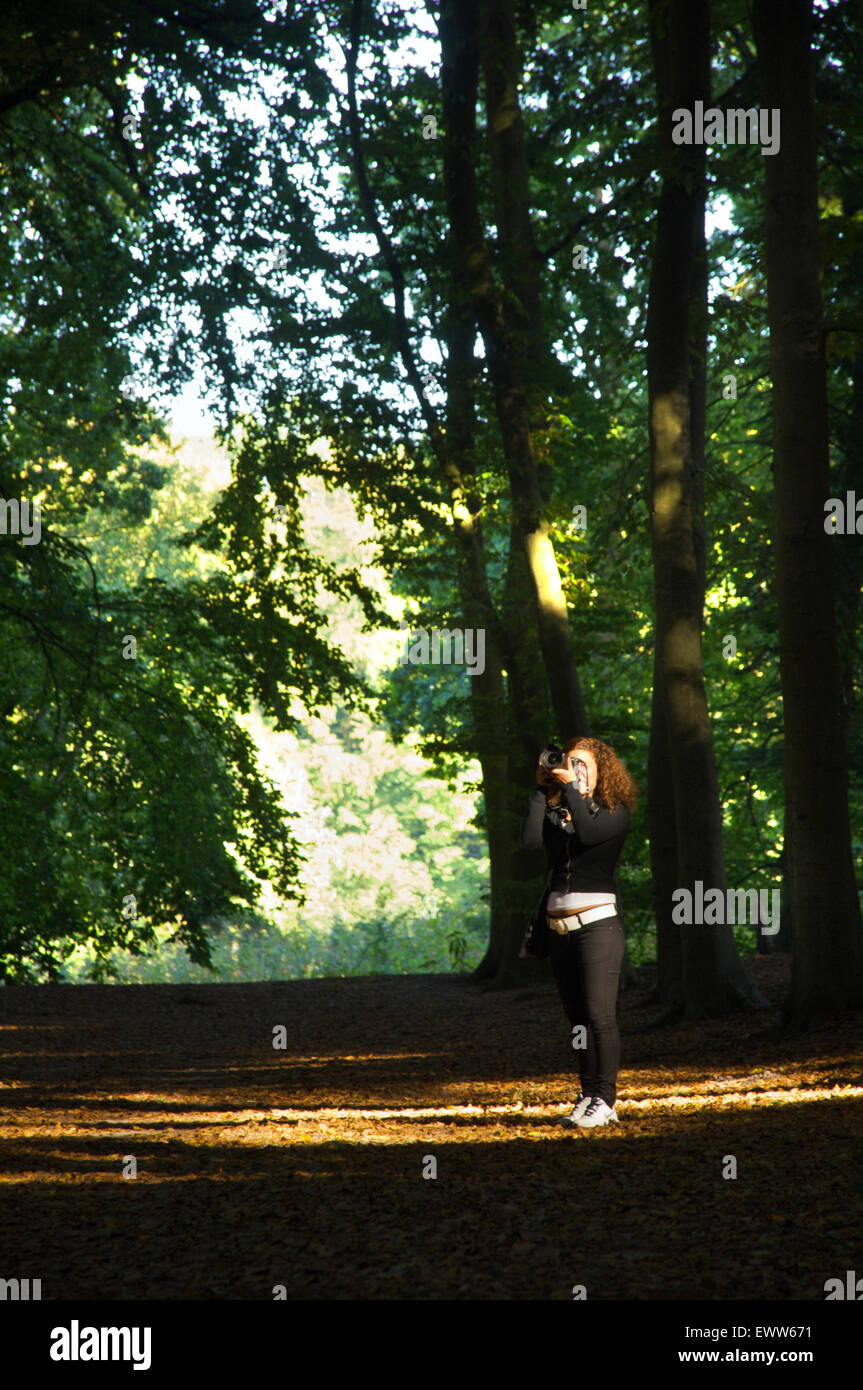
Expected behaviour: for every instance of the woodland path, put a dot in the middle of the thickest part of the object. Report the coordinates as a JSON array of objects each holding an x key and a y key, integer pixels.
[{"x": 303, "y": 1167}]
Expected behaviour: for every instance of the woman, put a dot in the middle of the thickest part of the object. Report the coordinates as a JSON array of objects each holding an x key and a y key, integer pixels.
[{"x": 582, "y": 817}]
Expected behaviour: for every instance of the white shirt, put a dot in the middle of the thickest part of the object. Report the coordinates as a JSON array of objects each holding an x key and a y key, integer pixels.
[{"x": 566, "y": 902}]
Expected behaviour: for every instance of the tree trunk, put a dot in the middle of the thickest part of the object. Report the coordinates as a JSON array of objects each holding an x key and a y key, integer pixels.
[
  {"x": 495, "y": 739},
  {"x": 510, "y": 322},
  {"x": 521, "y": 728},
  {"x": 511, "y": 720},
  {"x": 780, "y": 943},
  {"x": 713, "y": 979},
  {"x": 827, "y": 959},
  {"x": 849, "y": 558},
  {"x": 661, "y": 831}
]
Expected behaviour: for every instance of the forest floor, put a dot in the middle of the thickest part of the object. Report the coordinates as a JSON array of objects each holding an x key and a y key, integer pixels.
[{"x": 303, "y": 1167}]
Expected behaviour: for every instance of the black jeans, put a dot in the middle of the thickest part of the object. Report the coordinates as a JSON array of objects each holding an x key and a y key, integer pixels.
[{"x": 586, "y": 965}]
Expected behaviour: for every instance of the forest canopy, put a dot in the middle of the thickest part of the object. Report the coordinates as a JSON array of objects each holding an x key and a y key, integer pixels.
[{"x": 426, "y": 263}]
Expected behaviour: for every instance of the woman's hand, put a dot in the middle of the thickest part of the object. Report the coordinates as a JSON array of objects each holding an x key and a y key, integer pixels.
[
  {"x": 542, "y": 777},
  {"x": 584, "y": 766},
  {"x": 561, "y": 774}
]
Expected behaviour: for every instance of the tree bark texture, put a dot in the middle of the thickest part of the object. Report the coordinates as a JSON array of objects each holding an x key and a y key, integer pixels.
[
  {"x": 510, "y": 717},
  {"x": 713, "y": 980},
  {"x": 510, "y": 321},
  {"x": 827, "y": 959}
]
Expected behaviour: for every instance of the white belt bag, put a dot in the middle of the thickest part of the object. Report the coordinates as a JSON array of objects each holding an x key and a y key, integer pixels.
[{"x": 580, "y": 918}]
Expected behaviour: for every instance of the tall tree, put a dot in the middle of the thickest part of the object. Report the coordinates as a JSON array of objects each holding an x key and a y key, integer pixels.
[
  {"x": 509, "y": 320},
  {"x": 712, "y": 978},
  {"x": 500, "y": 705},
  {"x": 827, "y": 959},
  {"x": 124, "y": 774}
]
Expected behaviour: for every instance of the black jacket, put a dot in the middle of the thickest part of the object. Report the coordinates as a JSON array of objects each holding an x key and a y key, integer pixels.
[{"x": 582, "y": 853}]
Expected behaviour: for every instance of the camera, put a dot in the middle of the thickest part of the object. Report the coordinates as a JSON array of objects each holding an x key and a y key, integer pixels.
[
  {"x": 560, "y": 817},
  {"x": 553, "y": 756}
]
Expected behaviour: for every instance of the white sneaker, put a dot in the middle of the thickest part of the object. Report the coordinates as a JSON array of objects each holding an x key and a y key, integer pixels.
[
  {"x": 581, "y": 1104},
  {"x": 596, "y": 1113}
]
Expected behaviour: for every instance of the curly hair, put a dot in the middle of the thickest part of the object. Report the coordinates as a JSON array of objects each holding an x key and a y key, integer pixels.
[{"x": 613, "y": 783}]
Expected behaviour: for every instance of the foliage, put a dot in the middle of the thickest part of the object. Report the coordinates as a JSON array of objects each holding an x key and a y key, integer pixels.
[{"x": 226, "y": 237}]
